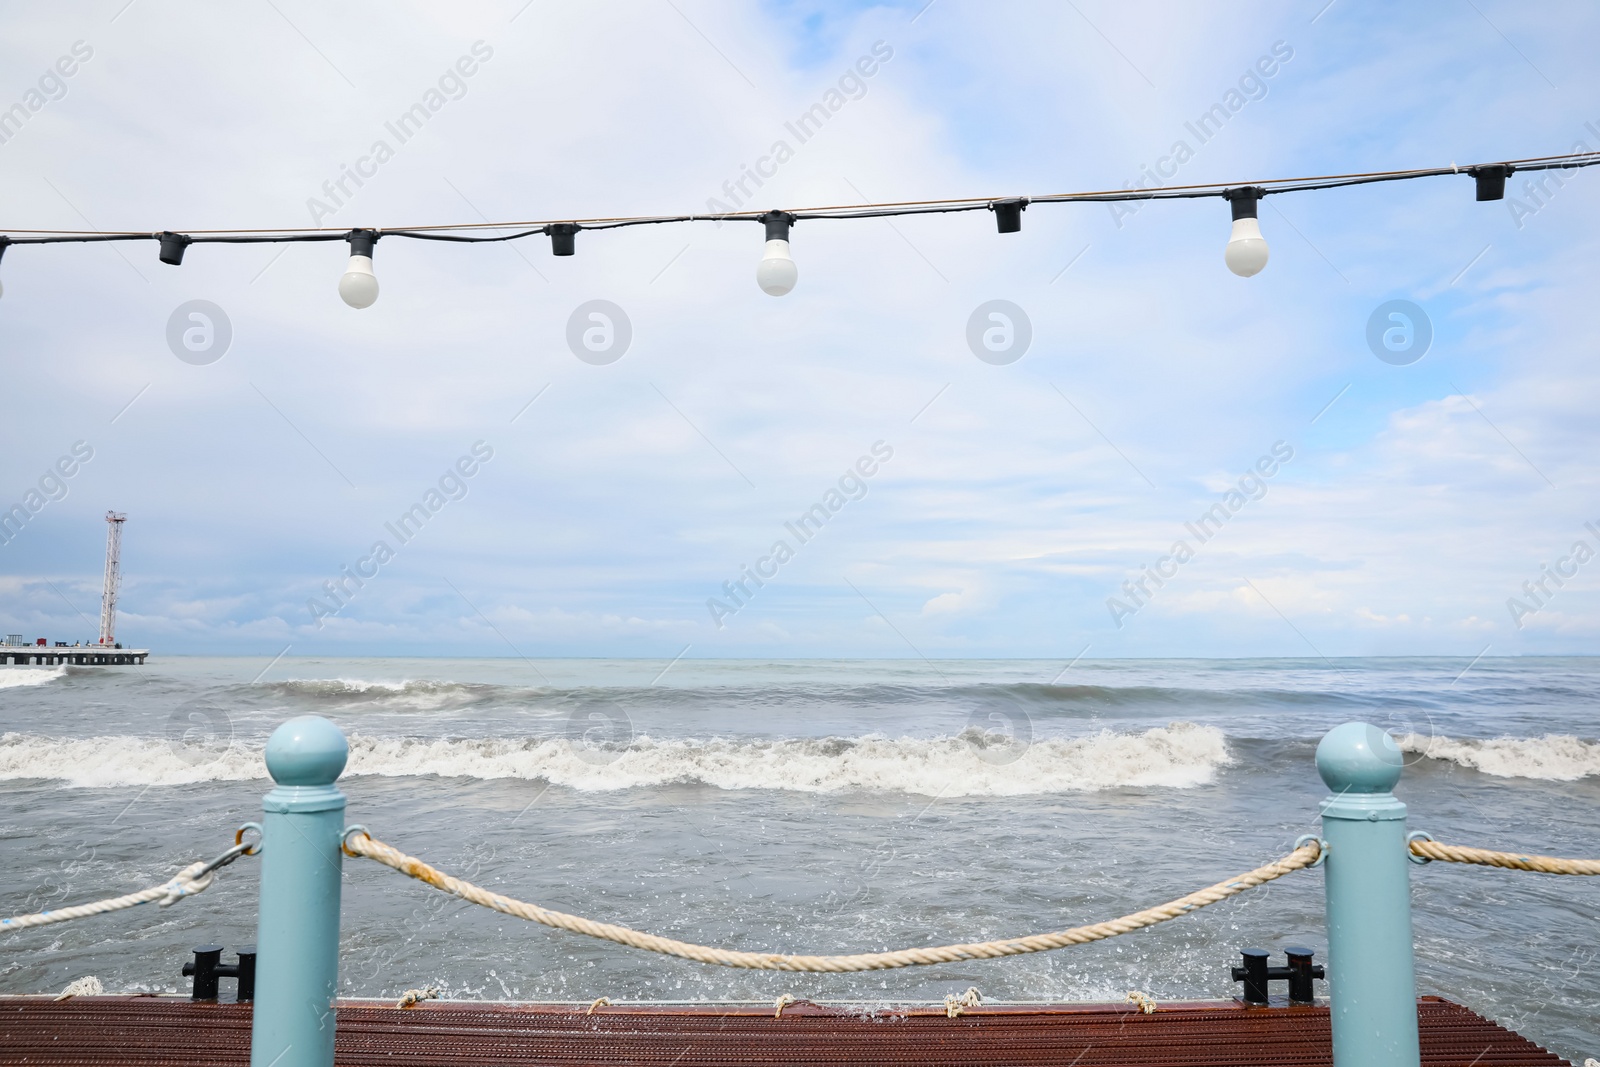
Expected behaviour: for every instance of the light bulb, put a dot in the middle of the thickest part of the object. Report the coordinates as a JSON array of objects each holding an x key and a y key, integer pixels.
[
  {"x": 359, "y": 286},
  {"x": 1247, "y": 250},
  {"x": 777, "y": 273}
]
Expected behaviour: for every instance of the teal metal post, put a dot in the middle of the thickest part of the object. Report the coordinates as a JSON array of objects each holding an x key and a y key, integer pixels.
[
  {"x": 297, "y": 942},
  {"x": 1371, "y": 970}
]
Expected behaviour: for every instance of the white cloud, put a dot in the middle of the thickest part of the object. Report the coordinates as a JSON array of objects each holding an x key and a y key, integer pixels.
[{"x": 609, "y": 513}]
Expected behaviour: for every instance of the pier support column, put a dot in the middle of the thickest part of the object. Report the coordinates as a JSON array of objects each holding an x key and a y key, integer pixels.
[
  {"x": 297, "y": 962},
  {"x": 1371, "y": 969}
]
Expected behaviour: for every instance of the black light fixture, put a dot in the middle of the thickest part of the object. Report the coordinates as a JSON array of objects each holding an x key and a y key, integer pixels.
[
  {"x": 1008, "y": 213},
  {"x": 5, "y": 243},
  {"x": 172, "y": 247},
  {"x": 1491, "y": 180},
  {"x": 562, "y": 235}
]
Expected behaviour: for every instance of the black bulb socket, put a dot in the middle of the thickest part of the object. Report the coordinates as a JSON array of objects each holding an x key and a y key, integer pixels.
[
  {"x": 778, "y": 223},
  {"x": 5, "y": 243},
  {"x": 1491, "y": 180},
  {"x": 1244, "y": 200},
  {"x": 173, "y": 246},
  {"x": 1008, "y": 214},
  {"x": 563, "y": 237},
  {"x": 362, "y": 242}
]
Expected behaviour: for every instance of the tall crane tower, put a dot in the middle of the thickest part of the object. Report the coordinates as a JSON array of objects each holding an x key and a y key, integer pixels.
[{"x": 108, "y": 599}]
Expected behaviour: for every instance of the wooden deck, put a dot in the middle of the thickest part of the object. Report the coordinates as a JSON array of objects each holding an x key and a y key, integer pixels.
[{"x": 135, "y": 1031}]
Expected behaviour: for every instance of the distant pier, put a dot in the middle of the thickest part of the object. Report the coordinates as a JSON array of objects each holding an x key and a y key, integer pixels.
[
  {"x": 70, "y": 656},
  {"x": 105, "y": 652}
]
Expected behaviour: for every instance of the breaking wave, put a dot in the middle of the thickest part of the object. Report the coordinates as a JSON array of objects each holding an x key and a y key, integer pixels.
[
  {"x": 11, "y": 677},
  {"x": 1553, "y": 757},
  {"x": 421, "y": 694},
  {"x": 1177, "y": 756},
  {"x": 1048, "y": 701}
]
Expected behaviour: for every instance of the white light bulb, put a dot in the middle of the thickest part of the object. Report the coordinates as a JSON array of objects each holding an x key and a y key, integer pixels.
[
  {"x": 359, "y": 286},
  {"x": 1247, "y": 249},
  {"x": 776, "y": 273}
]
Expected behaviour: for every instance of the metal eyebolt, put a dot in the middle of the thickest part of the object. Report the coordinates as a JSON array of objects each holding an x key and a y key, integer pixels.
[
  {"x": 1322, "y": 848},
  {"x": 238, "y": 837},
  {"x": 1417, "y": 835},
  {"x": 344, "y": 838}
]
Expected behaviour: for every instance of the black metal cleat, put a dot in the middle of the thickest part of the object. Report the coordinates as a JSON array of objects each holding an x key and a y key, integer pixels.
[
  {"x": 1301, "y": 974},
  {"x": 1257, "y": 973},
  {"x": 1253, "y": 974},
  {"x": 208, "y": 970}
]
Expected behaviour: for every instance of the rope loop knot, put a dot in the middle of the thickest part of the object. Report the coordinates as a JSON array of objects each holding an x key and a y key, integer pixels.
[
  {"x": 956, "y": 1005},
  {"x": 412, "y": 997}
]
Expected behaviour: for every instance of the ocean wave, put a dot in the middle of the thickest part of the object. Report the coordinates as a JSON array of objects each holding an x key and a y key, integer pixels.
[
  {"x": 421, "y": 694},
  {"x": 1035, "y": 698},
  {"x": 10, "y": 677},
  {"x": 1177, "y": 756},
  {"x": 1117, "y": 696},
  {"x": 103, "y": 762},
  {"x": 1553, "y": 757}
]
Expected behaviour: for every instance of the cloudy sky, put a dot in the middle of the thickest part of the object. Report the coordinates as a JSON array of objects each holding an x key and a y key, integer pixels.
[{"x": 619, "y": 498}]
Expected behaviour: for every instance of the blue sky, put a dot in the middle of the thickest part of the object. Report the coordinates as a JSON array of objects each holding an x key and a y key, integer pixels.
[{"x": 1018, "y": 498}]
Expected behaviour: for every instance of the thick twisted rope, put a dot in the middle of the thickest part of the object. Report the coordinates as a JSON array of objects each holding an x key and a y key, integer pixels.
[
  {"x": 1514, "y": 861},
  {"x": 360, "y": 844},
  {"x": 195, "y": 878}
]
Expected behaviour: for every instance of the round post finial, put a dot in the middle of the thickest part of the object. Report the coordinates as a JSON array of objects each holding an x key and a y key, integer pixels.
[
  {"x": 1358, "y": 757},
  {"x": 307, "y": 751}
]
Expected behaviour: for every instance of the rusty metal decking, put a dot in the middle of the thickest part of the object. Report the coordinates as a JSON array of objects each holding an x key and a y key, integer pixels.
[{"x": 134, "y": 1031}]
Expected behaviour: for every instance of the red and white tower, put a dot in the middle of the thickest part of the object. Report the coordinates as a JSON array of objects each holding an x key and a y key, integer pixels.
[{"x": 108, "y": 599}]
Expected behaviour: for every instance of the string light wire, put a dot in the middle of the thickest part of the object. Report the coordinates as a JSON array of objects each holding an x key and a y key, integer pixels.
[
  {"x": 1247, "y": 250},
  {"x": 461, "y": 232}
]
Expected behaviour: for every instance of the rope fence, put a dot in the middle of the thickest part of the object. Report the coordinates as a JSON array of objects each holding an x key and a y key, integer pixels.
[
  {"x": 362, "y": 844},
  {"x": 1511, "y": 861},
  {"x": 192, "y": 880},
  {"x": 198, "y": 877},
  {"x": 359, "y": 843}
]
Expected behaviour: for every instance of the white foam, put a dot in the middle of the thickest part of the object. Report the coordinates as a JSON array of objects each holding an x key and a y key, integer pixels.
[
  {"x": 11, "y": 677},
  {"x": 1178, "y": 756},
  {"x": 354, "y": 686},
  {"x": 421, "y": 694},
  {"x": 103, "y": 762},
  {"x": 1553, "y": 757}
]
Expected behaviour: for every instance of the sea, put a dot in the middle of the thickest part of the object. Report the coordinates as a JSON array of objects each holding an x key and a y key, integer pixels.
[{"x": 816, "y": 806}]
